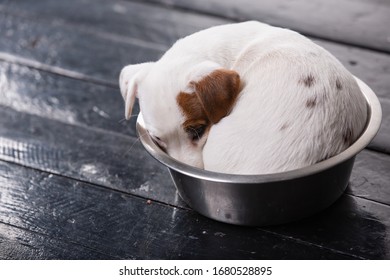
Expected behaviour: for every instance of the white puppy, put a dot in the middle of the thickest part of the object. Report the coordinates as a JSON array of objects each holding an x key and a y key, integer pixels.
[{"x": 247, "y": 98}]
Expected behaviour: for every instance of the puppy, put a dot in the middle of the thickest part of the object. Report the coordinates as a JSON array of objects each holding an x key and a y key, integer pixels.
[{"x": 247, "y": 98}]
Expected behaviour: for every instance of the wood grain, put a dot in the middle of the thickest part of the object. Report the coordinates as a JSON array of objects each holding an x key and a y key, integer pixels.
[
  {"x": 76, "y": 184},
  {"x": 375, "y": 187},
  {"x": 59, "y": 45},
  {"x": 361, "y": 23},
  {"x": 128, "y": 227},
  {"x": 341, "y": 226},
  {"x": 21, "y": 244},
  {"x": 64, "y": 99},
  {"x": 106, "y": 159}
]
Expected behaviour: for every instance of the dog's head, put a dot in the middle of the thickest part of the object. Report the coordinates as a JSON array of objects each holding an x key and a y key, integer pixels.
[{"x": 179, "y": 107}]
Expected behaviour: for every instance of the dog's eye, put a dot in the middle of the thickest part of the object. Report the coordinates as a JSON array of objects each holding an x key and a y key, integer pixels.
[{"x": 196, "y": 132}]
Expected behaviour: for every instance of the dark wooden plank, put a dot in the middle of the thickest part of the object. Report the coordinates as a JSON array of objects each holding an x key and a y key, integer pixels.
[
  {"x": 128, "y": 227},
  {"x": 21, "y": 244},
  {"x": 64, "y": 99},
  {"x": 370, "y": 177},
  {"x": 362, "y": 23},
  {"x": 382, "y": 141},
  {"x": 96, "y": 156},
  {"x": 353, "y": 225},
  {"x": 117, "y": 17},
  {"x": 64, "y": 46}
]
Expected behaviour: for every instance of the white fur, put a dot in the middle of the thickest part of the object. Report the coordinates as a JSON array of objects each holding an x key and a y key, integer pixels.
[{"x": 270, "y": 129}]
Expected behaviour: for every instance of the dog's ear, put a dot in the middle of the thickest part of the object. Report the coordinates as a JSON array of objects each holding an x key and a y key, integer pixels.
[
  {"x": 128, "y": 83},
  {"x": 218, "y": 92},
  {"x": 214, "y": 92}
]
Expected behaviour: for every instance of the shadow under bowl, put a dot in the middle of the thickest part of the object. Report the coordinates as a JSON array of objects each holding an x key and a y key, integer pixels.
[{"x": 270, "y": 199}]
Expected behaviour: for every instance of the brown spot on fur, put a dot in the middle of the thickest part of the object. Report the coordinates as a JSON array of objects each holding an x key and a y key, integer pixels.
[
  {"x": 284, "y": 126},
  {"x": 213, "y": 99},
  {"x": 339, "y": 86},
  {"x": 308, "y": 81},
  {"x": 347, "y": 136},
  {"x": 311, "y": 103}
]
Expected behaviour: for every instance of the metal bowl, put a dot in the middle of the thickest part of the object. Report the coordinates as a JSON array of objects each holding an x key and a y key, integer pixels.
[{"x": 258, "y": 200}]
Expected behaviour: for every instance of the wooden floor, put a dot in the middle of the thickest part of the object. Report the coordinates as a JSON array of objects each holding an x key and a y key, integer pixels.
[{"x": 73, "y": 185}]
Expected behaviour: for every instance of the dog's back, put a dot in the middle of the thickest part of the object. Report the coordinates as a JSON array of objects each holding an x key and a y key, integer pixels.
[{"x": 298, "y": 106}]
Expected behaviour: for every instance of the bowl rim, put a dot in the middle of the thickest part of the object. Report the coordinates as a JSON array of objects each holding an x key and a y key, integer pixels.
[{"x": 371, "y": 129}]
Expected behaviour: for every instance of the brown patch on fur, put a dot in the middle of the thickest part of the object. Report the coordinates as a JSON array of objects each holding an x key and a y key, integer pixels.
[
  {"x": 347, "y": 136},
  {"x": 213, "y": 99},
  {"x": 311, "y": 103},
  {"x": 308, "y": 81},
  {"x": 339, "y": 86}
]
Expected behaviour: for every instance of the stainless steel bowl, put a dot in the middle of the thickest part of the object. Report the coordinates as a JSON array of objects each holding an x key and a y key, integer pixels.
[{"x": 270, "y": 199}]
